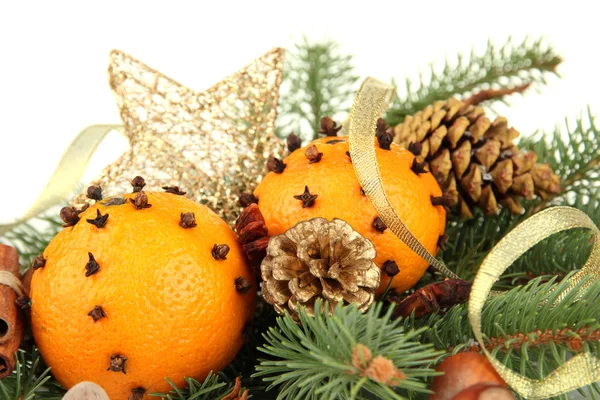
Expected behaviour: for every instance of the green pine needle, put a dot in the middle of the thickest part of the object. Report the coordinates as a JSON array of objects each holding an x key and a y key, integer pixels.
[
  {"x": 214, "y": 387},
  {"x": 526, "y": 310},
  {"x": 318, "y": 81},
  {"x": 29, "y": 381},
  {"x": 471, "y": 240},
  {"x": 313, "y": 360},
  {"x": 509, "y": 65},
  {"x": 574, "y": 154},
  {"x": 32, "y": 237}
]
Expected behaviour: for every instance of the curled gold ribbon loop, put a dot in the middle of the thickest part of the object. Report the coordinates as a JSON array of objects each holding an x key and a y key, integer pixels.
[
  {"x": 372, "y": 99},
  {"x": 584, "y": 368},
  {"x": 370, "y": 102}
]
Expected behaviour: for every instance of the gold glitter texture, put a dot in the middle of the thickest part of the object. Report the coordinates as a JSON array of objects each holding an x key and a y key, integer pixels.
[{"x": 212, "y": 144}]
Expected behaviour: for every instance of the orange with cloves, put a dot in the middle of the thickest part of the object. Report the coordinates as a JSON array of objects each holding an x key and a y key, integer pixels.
[
  {"x": 318, "y": 180},
  {"x": 140, "y": 288}
]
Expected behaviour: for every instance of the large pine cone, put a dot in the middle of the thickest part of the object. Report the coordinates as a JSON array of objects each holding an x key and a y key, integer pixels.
[
  {"x": 474, "y": 159},
  {"x": 319, "y": 259}
]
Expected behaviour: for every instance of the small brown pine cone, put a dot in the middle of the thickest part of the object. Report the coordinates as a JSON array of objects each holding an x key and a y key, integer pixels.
[
  {"x": 474, "y": 159},
  {"x": 319, "y": 259}
]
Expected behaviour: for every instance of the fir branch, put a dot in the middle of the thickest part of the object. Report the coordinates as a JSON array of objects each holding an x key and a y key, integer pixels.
[
  {"x": 318, "y": 81},
  {"x": 573, "y": 152},
  {"x": 31, "y": 237},
  {"x": 214, "y": 387},
  {"x": 29, "y": 380},
  {"x": 314, "y": 360},
  {"x": 508, "y": 66},
  {"x": 471, "y": 240},
  {"x": 523, "y": 328}
]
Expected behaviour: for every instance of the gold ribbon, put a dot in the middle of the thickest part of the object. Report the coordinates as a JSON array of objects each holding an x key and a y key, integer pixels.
[
  {"x": 68, "y": 172},
  {"x": 371, "y": 101},
  {"x": 584, "y": 368}
]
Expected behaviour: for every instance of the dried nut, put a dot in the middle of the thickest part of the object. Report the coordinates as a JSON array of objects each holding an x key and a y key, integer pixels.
[
  {"x": 462, "y": 371},
  {"x": 86, "y": 391}
]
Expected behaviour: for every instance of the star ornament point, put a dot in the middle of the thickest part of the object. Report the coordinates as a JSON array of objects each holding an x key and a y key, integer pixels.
[{"x": 213, "y": 144}]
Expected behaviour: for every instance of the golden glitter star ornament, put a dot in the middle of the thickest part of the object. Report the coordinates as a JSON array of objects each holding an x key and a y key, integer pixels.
[{"x": 213, "y": 144}]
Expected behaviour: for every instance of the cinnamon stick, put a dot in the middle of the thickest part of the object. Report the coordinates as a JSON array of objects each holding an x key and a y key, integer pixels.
[{"x": 11, "y": 319}]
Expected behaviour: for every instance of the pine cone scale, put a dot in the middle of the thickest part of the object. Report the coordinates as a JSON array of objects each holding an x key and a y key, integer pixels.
[
  {"x": 319, "y": 259},
  {"x": 474, "y": 159}
]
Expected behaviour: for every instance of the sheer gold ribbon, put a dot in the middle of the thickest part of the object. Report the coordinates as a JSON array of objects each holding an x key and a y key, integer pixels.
[
  {"x": 372, "y": 100},
  {"x": 67, "y": 174}
]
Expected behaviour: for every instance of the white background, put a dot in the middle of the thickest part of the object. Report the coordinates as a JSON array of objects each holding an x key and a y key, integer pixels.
[{"x": 53, "y": 59}]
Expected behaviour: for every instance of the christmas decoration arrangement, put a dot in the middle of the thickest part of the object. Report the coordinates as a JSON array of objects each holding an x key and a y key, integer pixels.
[{"x": 409, "y": 247}]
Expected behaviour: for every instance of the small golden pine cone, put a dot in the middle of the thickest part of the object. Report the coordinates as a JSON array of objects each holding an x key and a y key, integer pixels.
[
  {"x": 474, "y": 159},
  {"x": 319, "y": 259}
]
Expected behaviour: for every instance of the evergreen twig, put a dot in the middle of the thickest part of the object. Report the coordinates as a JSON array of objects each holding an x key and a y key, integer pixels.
[
  {"x": 573, "y": 152},
  {"x": 575, "y": 157},
  {"x": 471, "y": 240},
  {"x": 508, "y": 66},
  {"x": 313, "y": 360},
  {"x": 29, "y": 380},
  {"x": 31, "y": 240},
  {"x": 214, "y": 387},
  {"x": 547, "y": 334},
  {"x": 318, "y": 81}
]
